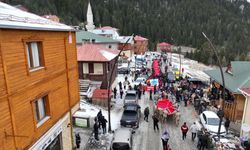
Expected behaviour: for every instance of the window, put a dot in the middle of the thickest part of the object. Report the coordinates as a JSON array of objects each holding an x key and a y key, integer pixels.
[
  {"x": 91, "y": 68},
  {"x": 41, "y": 109},
  {"x": 34, "y": 54}
]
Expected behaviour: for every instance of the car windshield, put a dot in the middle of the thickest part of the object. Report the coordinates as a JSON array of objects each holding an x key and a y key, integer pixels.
[
  {"x": 129, "y": 112},
  {"x": 213, "y": 121},
  {"x": 139, "y": 80},
  {"x": 130, "y": 96},
  {"x": 120, "y": 146}
]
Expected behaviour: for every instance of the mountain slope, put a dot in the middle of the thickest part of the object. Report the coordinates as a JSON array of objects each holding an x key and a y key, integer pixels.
[{"x": 226, "y": 22}]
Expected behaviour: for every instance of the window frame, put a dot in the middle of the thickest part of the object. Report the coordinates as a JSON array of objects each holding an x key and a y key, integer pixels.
[
  {"x": 40, "y": 51},
  {"x": 39, "y": 121}
]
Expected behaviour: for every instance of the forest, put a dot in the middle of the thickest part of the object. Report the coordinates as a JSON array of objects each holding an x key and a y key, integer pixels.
[{"x": 179, "y": 22}]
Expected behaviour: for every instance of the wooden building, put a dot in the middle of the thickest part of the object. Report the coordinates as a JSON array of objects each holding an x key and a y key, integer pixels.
[
  {"x": 95, "y": 63},
  {"x": 236, "y": 76},
  {"x": 38, "y": 81},
  {"x": 164, "y": 47},
  {"x": 126, "y": 45},
  {"x": 140, "y": 45}
]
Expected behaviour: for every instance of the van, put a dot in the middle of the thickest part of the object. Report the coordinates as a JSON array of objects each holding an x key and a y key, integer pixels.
[{"x": 122, "y": 139}]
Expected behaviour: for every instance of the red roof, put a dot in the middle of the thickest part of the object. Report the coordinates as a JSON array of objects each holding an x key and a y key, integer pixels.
[
  {"x": 107, "y": 28},
  {"x": 92, "y": 52},
  {"x": 139, "y": 38},
  {"x": 246, "y": 90},
  {"x": 164, "y": 44},
  {"x": 101, "y": 93}
]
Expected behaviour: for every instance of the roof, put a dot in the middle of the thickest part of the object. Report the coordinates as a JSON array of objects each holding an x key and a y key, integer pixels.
[
  {"x": 239, "y": 78},
  {"x": 164, "y": 44},
  {"x": 210, "y": 114},
  {"x": 85, "y": 35},
  {"x": 92, "y": 52},
  {"x": 139, "y": 38},
  {"x": 126, "y": 39},
  {"x": 107, "y": 28},
  {"x": 122, "y": 135},
  {"x": 246, "y": 91},
  {"x": 14, "y": 18},
  {"x": 101, "y": 93}
]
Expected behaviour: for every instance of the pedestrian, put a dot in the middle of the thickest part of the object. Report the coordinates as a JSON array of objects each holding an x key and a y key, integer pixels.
[
  {"x": 120, "y": 85},
  {"x": 146, "y": 113},
  {"x": 150, "y": 94},
  {"x": 99, "y": 117},
  {"x": 115, "y": 92},
  {"x": 139, "y": 93},
  {"x": 165, "y": 137},
  {"x": 204, "y": 141},
  {"x": 96, "y": 130},
  {"x": 155, "y": 122},
  {"x": 194, "y": 130},
  {"x": 126, "y": 78},
  {"x": 184, "y": 129},
  {"x": 227, "y": 124},
  {"x": 248, "y": 145},
  {"x": 185, "y": 99},
  {"x": 154, "y": 89},
  {"x": 121, "y": 93},
  {"x": 104, "y": 123},
  {"x": 78, "y": 140}
]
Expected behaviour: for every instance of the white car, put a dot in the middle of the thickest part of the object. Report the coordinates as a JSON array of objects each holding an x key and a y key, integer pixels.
[
  {"x": 210, "y": 121},
  {"x": 139, "y": 80}
]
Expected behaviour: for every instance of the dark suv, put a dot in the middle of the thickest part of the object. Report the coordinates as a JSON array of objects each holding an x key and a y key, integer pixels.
[{"x": 131, "y": 115}]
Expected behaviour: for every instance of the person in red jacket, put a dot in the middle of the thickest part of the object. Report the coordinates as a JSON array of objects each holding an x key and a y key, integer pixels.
[{"x": 184, "y": 130}]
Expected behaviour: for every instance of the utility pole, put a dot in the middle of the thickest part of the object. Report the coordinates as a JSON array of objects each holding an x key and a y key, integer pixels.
[
  {"x": 221, "y": 111},
  {"x": 179, "y": 50},
  {"x": 110, "y": 81}
]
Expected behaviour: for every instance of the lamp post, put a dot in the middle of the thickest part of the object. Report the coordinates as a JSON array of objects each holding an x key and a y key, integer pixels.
[
  {"x": 220, "y": 112},
  {"x": 110, "y": 80}
]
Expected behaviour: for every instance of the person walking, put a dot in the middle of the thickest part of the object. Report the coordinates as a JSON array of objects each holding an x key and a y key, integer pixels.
[
  {"x": 121, "y": 93},
  {"x": 150, "y": 94},
  {"x": 115, "y": 92},
  {"x": 184, "y": 129},
  {"x": 227, "y": 124},
  {"x": 78, "y": 140},
  {"x": 104, "y": 124},
  {"x": 194, "y": 130},
  {"x": 154, "y": 89},
  {"x": 99, "y": 118},
  {"x": 155, "y": 122},
  {"x": 120, "y": 85},
  {"x": 96, "y": 130},
  {"x": 204, "y": 141},
  {"x": 146, "y": 113},
  {"x": 164, "y": 138}
]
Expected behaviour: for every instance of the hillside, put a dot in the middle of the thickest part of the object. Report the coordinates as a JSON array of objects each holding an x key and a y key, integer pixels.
[{"x": 180, "y": 22}]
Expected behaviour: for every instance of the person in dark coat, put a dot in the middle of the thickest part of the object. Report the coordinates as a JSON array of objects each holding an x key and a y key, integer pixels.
[
  {"x": 146, "y": 113},
  {"x": 185, "y": 99},
  {"x": 121, "y": 93},
  {"x": 120, "y": 85},
  {"x": 184, "y": 130},
  {"x": 150, "y": 95},
  {"x": 99, "y": 118},
  {"x": 115, "y": 92},
  {"x": 104, "y": 124},
  {"x": 78, "y": 140},
  {"x": 204, "y": 141},
  {"x": 155, "y": 122},
  {"x": 248, "y": 145},
  {"x": 227, "y": 124},
  {"x": 154, "y": 89},
  {"x": 96, "y": 131}
]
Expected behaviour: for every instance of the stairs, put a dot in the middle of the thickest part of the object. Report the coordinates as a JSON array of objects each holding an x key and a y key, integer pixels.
[{"x": 84, "y": 87}]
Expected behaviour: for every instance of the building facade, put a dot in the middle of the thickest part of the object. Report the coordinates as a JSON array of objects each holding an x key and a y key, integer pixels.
[
  {"x": 38, "y": 82},
  {"x": 95, "y": 63},
  {"x": 140, "y": 45}
]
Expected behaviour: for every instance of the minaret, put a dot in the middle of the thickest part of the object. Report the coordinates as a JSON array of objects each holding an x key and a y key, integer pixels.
[{"x": 90, "y": 24}]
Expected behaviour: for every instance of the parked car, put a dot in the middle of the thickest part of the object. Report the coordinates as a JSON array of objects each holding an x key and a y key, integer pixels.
[
  {"x": 123, "y": 70},
  {"x": 130, "y": 97},
  {"x": 123, "y": 139},
  {"x": 210, "y": 121},
  {"x": 131, "y": 115},
  {"x": 139, "y": 80},
  {"x": 170, "y": 77}
]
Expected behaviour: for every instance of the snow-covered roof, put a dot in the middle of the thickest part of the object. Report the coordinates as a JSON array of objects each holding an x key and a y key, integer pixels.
[
  {"x": 124, "y": 39},
  {"x": 14, "y": 18}
]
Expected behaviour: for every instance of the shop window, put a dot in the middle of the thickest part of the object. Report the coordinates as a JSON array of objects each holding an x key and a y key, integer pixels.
[
  {"x": 34, "y": 55},
  {"x": 91, "y": 68},
  {"x": 41, "y": 109}
]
